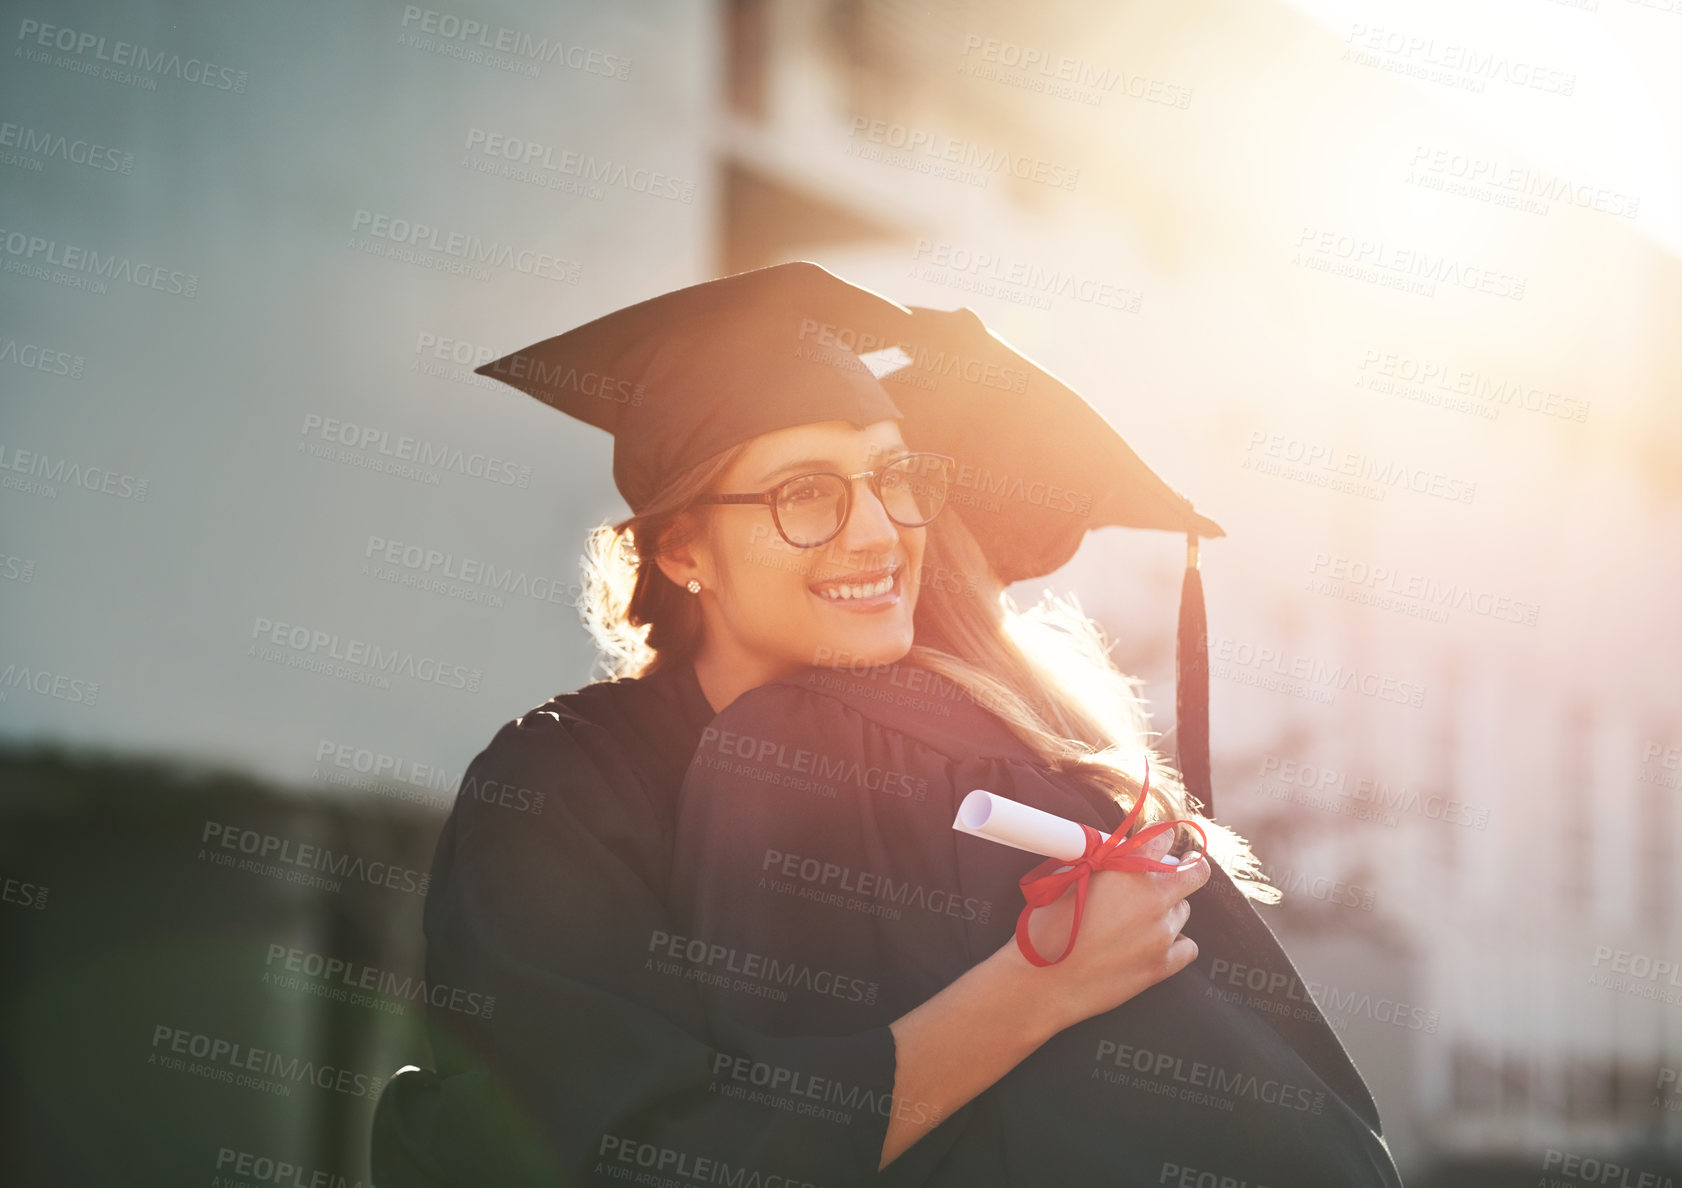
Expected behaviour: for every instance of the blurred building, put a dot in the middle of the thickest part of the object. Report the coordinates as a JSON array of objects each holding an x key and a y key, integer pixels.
[{"x": 1508, "y": 975}]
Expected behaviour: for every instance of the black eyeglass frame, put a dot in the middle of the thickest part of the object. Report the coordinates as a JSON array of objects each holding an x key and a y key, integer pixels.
[{"x": 771, "y": 495}]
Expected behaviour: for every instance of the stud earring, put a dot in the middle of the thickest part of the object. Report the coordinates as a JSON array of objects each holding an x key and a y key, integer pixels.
[{"x": 694, "y": 586}]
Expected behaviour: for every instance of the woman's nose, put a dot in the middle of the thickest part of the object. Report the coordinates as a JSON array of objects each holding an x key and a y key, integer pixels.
[{"x": 869, "y": 528}]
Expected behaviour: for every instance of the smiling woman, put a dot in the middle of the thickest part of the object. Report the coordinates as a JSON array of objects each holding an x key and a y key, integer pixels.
[
  {"x": 785, "y": 963},
  {"x": 761, "y": 619}
]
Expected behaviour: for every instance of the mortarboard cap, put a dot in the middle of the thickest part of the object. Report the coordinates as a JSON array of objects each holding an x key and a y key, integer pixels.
[
  {"x": 683, "y": 376},
  {"x": 1037, "y": 467}
]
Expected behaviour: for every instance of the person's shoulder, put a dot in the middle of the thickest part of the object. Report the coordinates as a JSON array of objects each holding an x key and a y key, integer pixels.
[
  {"x": 574, "y": 785},
  {"x": 903, "y": 699},
  {"x": 610, "y": 704},
  {"x": 560, "y": 720},
  {"x": 628, "y": 727},
  {"x": 595, "y": 704},
  {"x": 540, "y": 745}
]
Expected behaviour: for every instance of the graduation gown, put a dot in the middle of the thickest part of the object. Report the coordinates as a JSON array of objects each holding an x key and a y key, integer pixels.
[{"x": 696, "y": 947}]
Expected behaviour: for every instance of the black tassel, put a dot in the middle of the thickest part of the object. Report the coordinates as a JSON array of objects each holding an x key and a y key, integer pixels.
[{"x": 1191, "y": 685}]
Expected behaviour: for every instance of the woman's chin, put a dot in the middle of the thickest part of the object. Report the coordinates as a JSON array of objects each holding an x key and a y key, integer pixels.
[{"x": 883, "y": 643}]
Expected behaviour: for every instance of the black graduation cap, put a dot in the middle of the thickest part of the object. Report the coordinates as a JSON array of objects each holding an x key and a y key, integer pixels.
[
  {"x": 685, "y": 375},
  {"x": 690, "y": 373}
]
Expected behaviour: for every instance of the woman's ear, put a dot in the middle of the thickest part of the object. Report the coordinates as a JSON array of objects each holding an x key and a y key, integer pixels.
[
  {"x": 679, "y": 565},
  {"x": 686, "y": 561}
]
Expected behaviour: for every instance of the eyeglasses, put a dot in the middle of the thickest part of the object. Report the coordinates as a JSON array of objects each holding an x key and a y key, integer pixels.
[{"x": 810, "y": 509}]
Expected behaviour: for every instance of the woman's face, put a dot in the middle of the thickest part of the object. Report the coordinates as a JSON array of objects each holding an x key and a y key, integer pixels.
[{"x": 769, "y": 607}]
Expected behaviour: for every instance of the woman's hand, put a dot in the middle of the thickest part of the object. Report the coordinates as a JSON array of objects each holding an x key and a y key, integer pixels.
[
  {"x": 1129, "y": 938},
  {"x": 981, "y": 1026}
]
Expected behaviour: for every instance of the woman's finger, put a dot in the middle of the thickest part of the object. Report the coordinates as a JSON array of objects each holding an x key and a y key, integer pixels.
[
  {"x": 1159, "y": 845},
  {"x": 1179, "y": 914}
]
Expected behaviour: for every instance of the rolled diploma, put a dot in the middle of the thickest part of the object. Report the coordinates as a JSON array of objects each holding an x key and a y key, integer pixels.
[{"x": 1012, "y": 823}]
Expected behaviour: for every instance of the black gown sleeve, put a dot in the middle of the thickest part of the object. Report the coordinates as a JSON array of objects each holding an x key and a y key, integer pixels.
[{"x": 597, "y": 1061}]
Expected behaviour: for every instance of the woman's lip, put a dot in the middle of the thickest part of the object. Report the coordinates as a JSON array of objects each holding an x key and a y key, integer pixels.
[
  {"x": 879, "y": 602},
  {"x": 864, "y": 577}
]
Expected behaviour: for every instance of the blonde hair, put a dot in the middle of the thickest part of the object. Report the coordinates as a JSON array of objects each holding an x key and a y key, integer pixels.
[{"x": 1045, "y": 672}]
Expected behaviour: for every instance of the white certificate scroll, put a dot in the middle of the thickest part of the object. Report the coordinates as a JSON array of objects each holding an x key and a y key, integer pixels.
[{"x": 1012, "y": 823}]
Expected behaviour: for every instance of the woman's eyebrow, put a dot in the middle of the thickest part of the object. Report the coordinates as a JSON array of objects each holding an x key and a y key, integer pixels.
[{"x": 797, "y": 467}]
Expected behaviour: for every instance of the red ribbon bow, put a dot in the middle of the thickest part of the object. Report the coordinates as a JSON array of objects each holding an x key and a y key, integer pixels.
[{"x": 1046, "y": 882}]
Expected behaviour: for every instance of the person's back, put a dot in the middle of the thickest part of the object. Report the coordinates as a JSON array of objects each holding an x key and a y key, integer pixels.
[
  {"x": 819, "y": 880},
  {"x": 558, "y": 844}
]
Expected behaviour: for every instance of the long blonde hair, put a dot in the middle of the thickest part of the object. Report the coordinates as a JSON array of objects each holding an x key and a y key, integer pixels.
[{"x": 1045, "y": 672}]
